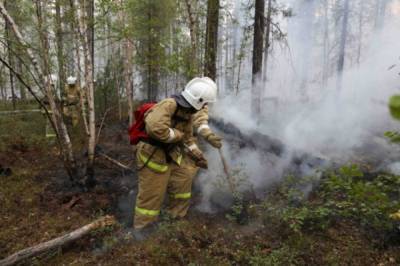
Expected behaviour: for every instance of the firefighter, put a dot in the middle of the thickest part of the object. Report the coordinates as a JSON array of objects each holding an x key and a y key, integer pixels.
[
  {"x": 71, "y": 101},
  {"x": 163, "y": 159}
]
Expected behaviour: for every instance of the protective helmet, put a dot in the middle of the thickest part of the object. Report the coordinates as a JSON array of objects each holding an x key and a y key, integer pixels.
[
  {"x": 200, "y": 91},
  {"x": 71, "y": 80}
]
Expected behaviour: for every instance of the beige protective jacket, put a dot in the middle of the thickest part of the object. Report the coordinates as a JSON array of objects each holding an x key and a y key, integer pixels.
[
  {"x": 168, "y": 124},
  {"x": 200, "y": 120}
]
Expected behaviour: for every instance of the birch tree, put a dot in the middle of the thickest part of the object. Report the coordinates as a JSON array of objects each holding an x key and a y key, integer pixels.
[
  {"x": 89, "y": 87},
  {"x": 55, "y": 115}
]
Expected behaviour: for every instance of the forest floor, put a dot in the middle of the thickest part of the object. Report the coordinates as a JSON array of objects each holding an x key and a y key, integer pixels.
[{"x": 36, "y": 206}]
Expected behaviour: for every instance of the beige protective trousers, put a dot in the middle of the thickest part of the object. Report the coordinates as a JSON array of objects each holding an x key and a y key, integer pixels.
[{"x": 174, "y": 180}]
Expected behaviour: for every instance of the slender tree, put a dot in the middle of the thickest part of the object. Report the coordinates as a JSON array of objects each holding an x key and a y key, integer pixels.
[
  {"x": 190, "y": 7},
  {"x": 55, "y": 115},
  {"x": 89, "y": 85},
  {"x": 258, "y": 41},
  {"x": 90, "y": 28},
  {"x": 60, "y": 46},
  {"x": 8, "y": 34},
  {"x": 211, "y": 49},
  {"x": 267, "y": 40},
  {"x": 342, "y": 44}
]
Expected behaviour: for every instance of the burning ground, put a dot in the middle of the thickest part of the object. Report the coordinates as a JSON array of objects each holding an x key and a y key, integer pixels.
[{"x": 336, "y": 216}]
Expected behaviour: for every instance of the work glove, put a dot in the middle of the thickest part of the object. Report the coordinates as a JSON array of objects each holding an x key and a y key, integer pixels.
[
  {"x": 202, "y": 163},
  {"x": 212, "y": 138},
  {"x": 198, "y": 158}
]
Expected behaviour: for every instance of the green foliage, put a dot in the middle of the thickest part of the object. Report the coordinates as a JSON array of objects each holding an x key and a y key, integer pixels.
[
  {"x": 22, "y": 131},
  {"x": 341, "y": 195},
  {"x": 394, "y": 106},
  {"x": 284, "y": 255},
  {"x": 149, "y": 26},
  {"x": 368, "y": 202},
  {"x": 108, "y": 85},
  {"x": 237, "y": 210},
  {"x": 393, "y": 136}
]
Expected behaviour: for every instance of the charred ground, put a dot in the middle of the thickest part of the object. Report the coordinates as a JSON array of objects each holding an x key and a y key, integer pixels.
[{"x": 285, "y": 228}]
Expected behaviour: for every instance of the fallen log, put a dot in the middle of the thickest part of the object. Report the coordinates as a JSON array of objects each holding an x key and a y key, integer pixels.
[
  {"x": 265, "y": 144},
  {"x": 57, "y": 242},
  {"x": 254, "y": 139}
]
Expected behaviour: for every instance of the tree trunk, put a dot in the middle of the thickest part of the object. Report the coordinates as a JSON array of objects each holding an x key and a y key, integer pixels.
[
  {"x": 128, "y": 49},
  {"x": 89, "y": 85},
  {"x": 90, "y": 29},
  {"x": 22, "y": 91},
  {"x": 56, "y": 116},
  {"x": 10, "y": 58},
  {"x": 267, "y": 41},
  {"x": 257, "y": 56},
  {"x": 193, "y": 38},
  {"x": 210, "y": 68},
  {"x": 380, "y": 13},
  {"x": 360, "y": 31},
  {"x": 152, "y": 57},
  {"x": 325, "y": 63},
  {"x": 342, "y": 47},
  {"x": 11, "y": 61},
  {"x": 60, "y": 47},
  {"x": 57, "y": 242},
  {"x": 76, "y": 44}
]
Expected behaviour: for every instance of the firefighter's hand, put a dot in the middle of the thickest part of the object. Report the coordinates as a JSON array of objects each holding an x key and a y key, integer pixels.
[
  {"x": 214, "y": 140},
  {"x": 202, "y": 163},
  {"x": 198, "y": 158}
]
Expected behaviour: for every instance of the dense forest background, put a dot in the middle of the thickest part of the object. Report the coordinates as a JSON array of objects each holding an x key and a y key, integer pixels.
[{"x": 303, "y": 94}]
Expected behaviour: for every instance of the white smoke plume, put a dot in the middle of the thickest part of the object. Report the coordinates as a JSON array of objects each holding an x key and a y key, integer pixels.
[{"x": 329, "y": 123}]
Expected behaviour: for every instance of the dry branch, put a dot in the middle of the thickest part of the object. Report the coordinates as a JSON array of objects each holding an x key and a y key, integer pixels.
[
  {"x": 57, "y": 242},
  {"x": 117, "y": 163}
]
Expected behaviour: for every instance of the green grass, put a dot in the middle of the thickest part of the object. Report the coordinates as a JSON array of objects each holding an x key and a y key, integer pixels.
[{"x": 26, "y": 129}]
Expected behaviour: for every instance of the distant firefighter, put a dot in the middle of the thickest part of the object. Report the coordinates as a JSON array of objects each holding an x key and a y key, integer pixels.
[{"x": 71, "y": 101}]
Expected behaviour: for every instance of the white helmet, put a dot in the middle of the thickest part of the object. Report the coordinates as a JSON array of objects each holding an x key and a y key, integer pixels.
[
  {"x": 71, "y": 80},
  {"x": 200, "y": 91}
]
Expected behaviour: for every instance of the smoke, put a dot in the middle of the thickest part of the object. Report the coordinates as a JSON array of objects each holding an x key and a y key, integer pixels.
[{"x": 315, "y": 119}]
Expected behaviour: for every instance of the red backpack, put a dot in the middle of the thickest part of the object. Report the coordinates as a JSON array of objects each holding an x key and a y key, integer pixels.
[{"x": 137, "y": 131}]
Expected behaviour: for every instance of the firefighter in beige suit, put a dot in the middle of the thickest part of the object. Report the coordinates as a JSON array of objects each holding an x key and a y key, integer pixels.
[
  {"x": 168, "y": 158},
  {"x": 71, "y": 101}
]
